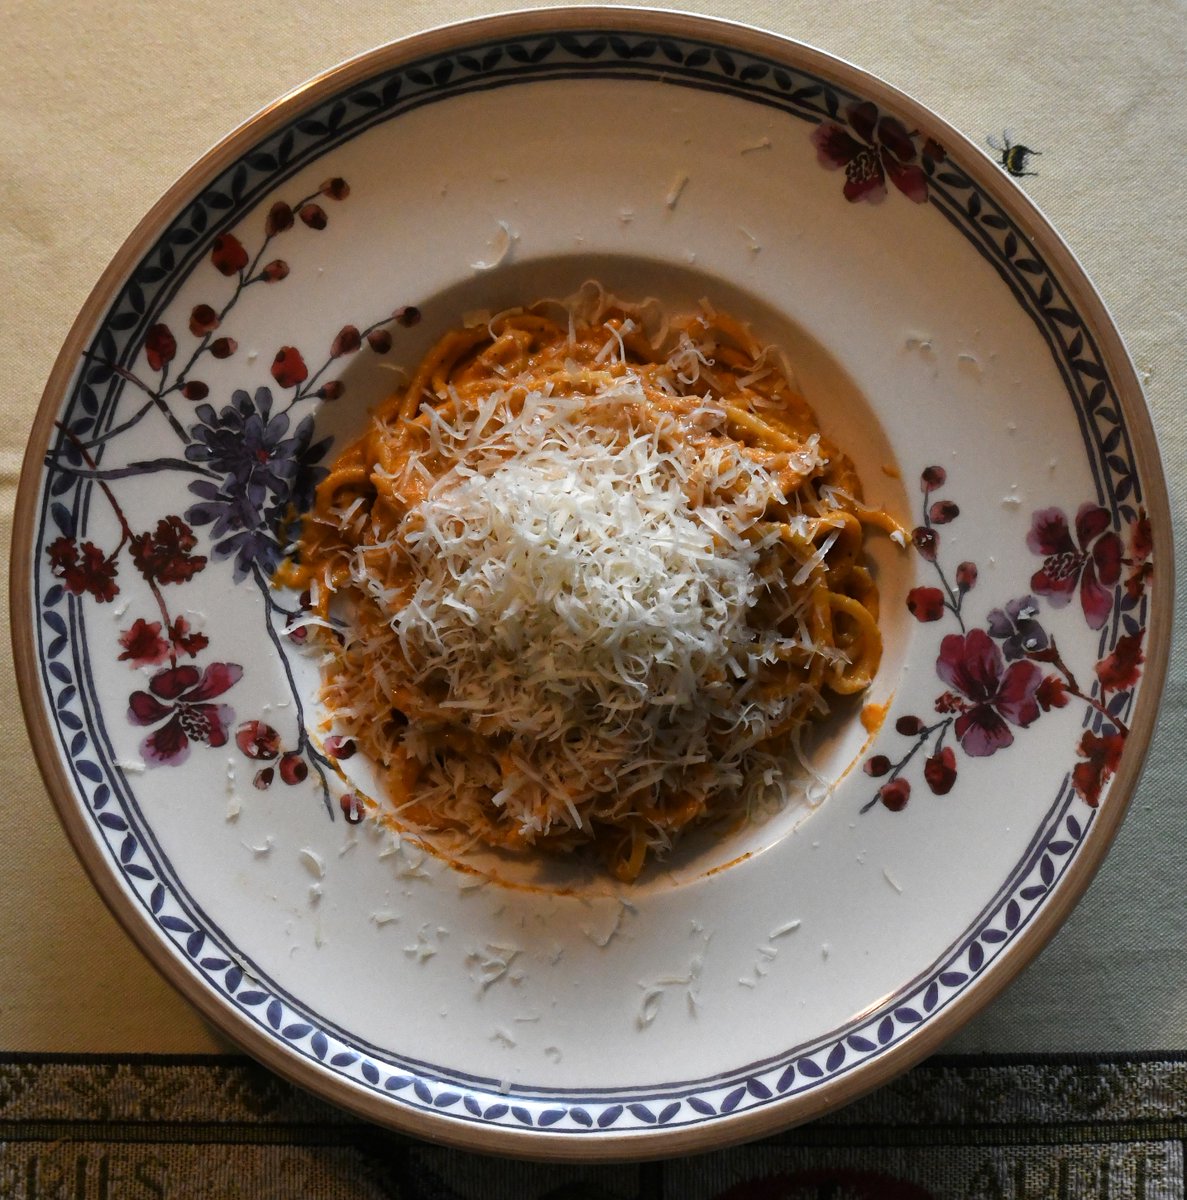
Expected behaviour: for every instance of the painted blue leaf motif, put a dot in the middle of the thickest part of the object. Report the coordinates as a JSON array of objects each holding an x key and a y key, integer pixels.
[
  {"x": 609, "y": 1116},
  {"x": 139, "y": 872},
  {"x": 701, "y": 1105},
  {"x": 581, "y": 1117},
  {"x": 733, "y": 1100},
  {"x": 861, "y": 1044},
  {"x": 101, "y": 796},
  {"x": 786, "y": 1079},
  {"x": 319, "y": 1045},
  {"x": 73, "y": 721},
  {"x": 113, "y": 821},
  {"x": 370, "y": 1072},
  {"x": 836, "y": 1056},
  {"x": 422, "y": 1091},
  {"x": 472, "y": 1105},
  {"x": 89, "y": 770},
  {"x": 54, "y": 649},
  {"x": 233, "y": 979},
  {"x": 885, "y": 1030},
  {"x": 1033, "y": 892},
  {"x": 344, "y": 1059},
  {"x": 52, "y": 597},
  {"x": 758, "y": 1089},
  {"x": 643, "y": 1113},
  {"x": 177, "y": 924},
  {"x": 550, "y": 1117},
  {"x": 157, "y": 900},
  {"x": 668, "y": 1112},
  {"x": 521, "y": 1115},
  {"x": 274, "y": 1014},
  {"x": 908, "y": 1016},
  {"x": 64, "y": 519},
  {"x": 59, "y": 672},
  {"x": 122, "y": 321},
  {"x": 128, "y": 848},
  {"x": 807, "y": 1067},
  {"x": 446, "y": 1099},
  {"x": 194, "y": 943},
  {"x": 1013, "y": 914},
  {"x": 994, "y": 935},
  {"x": 496, "y": 1112},
  {"x": 976, "y": 956},
  {"x": 66, "y": 696},
  {"x": 294, "y": 1033},
  {"x": 210, "y": 963},
  {"x": 953, "y": 978},
  {"x": 1073, "y": 827},
  {"x": 1046, "y": 870},
  {"x": 396, "y": 1083},
  {"x": 931, "y": 996}
]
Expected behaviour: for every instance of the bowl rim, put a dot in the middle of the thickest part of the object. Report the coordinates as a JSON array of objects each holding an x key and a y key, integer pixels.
[{"x": 618, "y": 1145}]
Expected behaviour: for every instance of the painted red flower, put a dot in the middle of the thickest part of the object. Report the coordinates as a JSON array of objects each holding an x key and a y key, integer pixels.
[
  {"x": 1052, "y": 693},
  {"x": 83, "y": 569},
  {"x": 1090, "y": 561},
  {"x": 876, "y": 148},
  {"x": 143, "y": 644},
  {"x": 257, "y": 740},
  {"x": 1122, "y": 668},
  {"x": 995, "y": 696},
  {"x": 940, "y": 771},
  {"x": 180, "y": 697},
  {"x": 186, "y": 640},
  {"x": 1101, "y": 755},
  {"x": 164, "y": 554},
  {"x": 925, "y": 603}
]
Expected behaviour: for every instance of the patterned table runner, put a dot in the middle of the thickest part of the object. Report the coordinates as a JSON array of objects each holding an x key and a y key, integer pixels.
[{"x": 102, "y": 1127}]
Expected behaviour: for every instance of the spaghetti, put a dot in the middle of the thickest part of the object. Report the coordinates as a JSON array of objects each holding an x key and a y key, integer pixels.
[{"x": 587, "y": 578}]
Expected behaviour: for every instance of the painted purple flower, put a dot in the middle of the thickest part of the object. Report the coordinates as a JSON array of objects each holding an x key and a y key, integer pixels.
[
  {"x": 1092, "y": 561},
  {"x": 268, "y": 473},
  {"x": 180, "y": 697},
  {"x": 994, "y": 696},
  {"x": 1016, "y": 628},
  {"x": 876, "y": 148}
]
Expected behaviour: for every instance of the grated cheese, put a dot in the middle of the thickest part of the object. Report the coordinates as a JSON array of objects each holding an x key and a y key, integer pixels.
[{"x": 584, "y": 590}]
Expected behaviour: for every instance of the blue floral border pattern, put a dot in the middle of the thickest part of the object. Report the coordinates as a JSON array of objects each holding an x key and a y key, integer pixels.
[{"x": 96, "y": 395}]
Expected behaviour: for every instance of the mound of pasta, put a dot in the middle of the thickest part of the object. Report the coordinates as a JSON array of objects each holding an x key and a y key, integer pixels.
[{"x": 585, "y": 581}]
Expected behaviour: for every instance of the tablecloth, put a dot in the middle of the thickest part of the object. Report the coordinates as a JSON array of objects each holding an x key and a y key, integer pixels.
[{"x": 104, "y": 107}]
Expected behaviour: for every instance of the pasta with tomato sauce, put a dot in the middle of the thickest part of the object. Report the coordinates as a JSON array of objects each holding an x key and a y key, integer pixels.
[{"x": 586, "y": 580}]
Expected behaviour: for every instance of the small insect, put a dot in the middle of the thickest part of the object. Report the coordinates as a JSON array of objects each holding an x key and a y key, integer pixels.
[{"x": 1012, "y": 156}]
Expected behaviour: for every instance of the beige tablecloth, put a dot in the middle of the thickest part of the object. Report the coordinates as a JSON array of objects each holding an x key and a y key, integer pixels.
[{"x": 104, "y": 106}]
